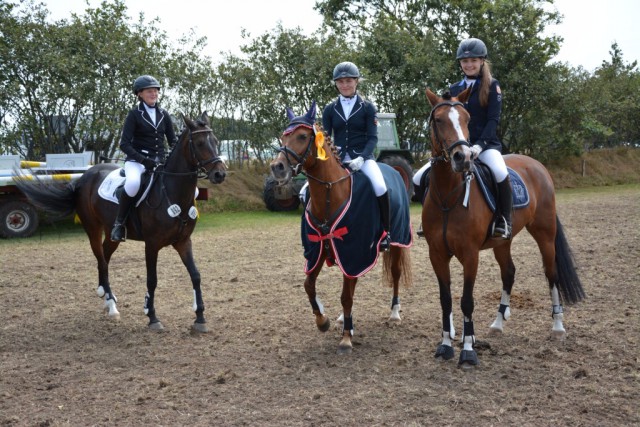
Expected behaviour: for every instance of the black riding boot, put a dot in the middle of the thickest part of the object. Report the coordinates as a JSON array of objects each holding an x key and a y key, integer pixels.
[
  {"x": 385, "y": 213},
  {"x": 502, "y": 226},
  {"x": 118, "y": 231}
]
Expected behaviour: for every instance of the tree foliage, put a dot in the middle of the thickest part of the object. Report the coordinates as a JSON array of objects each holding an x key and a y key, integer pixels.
[{"x": 65, "y": 86}]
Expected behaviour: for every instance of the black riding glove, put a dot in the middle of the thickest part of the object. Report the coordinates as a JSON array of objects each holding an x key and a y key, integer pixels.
[{"x": 148, "y": 163}]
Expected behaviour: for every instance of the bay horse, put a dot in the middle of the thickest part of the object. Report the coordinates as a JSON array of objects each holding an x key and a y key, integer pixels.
[
  {"x": 305, "y": 147},
  {"x": 457, "y": 220},
  {"x": 167, "y": 216}
]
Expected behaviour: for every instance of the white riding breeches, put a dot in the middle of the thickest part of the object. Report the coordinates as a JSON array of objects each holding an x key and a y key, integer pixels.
[
  {"x": 493, "y": 158},
  {"x": 418, "y": 175},
  {"x": 372, "y": 170},
  {"x": 133, "y": 172}
]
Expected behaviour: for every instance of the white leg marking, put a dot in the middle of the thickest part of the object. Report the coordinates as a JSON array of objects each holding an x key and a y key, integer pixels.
[
  {"x": 498, "y": 324},
  {"x": 100, "y": 291},
  {"x": 110, "y": 306}
]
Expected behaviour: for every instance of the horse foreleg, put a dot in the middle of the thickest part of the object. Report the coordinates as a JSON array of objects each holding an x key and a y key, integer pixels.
[
  {"x": 502, "y": 254},
  {"x": 348, "y": 290},
  {"x": 103, "y": 251},
  {"x": 185, "y": 250},
  {"x": 468, "y": 356},
  {"x": 322, "y": 320},
  {"x": 440, "y": 265},
  {"x": 151, "y": 256}
]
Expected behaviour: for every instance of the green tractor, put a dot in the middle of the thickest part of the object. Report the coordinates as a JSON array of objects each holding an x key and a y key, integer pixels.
[{"x": 280, "y": 198}]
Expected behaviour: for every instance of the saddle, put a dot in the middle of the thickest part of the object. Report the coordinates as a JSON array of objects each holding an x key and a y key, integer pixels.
[
  {"x": 113, "y": 185},
  {"x": 488, "y": 186}
]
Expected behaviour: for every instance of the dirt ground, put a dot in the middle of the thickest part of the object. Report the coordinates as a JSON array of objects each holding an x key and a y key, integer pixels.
[{"x": 265, "y": 363}]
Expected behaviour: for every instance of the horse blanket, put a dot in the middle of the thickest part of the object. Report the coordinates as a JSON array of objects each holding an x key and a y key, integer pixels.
[{"x": 354, "y": 236}]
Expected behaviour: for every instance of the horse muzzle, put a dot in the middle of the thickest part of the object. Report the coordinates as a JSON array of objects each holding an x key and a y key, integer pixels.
[{"x": 281, "y": 171}]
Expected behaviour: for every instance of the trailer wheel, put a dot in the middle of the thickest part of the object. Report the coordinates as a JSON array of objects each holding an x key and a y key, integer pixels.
[
  {"x": 17, "y": 219},
  {"x": 279, "y": 204}
]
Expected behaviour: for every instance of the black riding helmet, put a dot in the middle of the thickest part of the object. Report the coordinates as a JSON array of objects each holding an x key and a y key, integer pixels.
[
  {"x": 471, "y": 48},
  {"x": 144, "y": 82},
  {"x": 345, "y": 69}
]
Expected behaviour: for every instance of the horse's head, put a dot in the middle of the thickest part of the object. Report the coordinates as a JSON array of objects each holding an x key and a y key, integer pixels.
[
  {"x": 449, "y": 122},
  {"x": 296, "y": 145},
  {"x": 202, "y": 149}
]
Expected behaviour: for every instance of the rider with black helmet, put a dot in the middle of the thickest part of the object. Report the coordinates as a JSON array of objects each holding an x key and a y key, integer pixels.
[
  {"x": 143, "y": 136},
  {"x": 352, "y": 122},
  {"x": 484, "y": 106}
]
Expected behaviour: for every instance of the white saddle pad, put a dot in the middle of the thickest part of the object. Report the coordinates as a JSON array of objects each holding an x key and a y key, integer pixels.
[{"x": 111, "y": 183}]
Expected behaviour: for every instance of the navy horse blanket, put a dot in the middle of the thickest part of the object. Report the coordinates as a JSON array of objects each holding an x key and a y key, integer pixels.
[{"x": 354, "y": 236}]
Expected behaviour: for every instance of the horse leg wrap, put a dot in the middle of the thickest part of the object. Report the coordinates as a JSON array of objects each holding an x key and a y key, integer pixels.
[
  {"x": 316, "y": 305},
  {"x": 348, "y": 325},
  {"x": 557, "y": 309},
  {"x": 395, "y": 301},
  {"x": 505, "y": 311}
]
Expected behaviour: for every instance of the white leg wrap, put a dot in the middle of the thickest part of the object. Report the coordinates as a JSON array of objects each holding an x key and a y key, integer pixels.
[
  {"x": 558, "y": 315},
  {"x": 195, "y": 305}
]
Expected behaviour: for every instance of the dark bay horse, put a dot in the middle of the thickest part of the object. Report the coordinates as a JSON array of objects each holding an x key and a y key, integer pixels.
[
  {"x": 305, "y": 147},
  {"x": 456, "y": 222},
  {"x": 167, "y": 216}
]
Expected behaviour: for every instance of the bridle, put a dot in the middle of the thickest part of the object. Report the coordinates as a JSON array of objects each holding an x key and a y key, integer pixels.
[
  {"x": 444, "y": 149},
  {"x": 297, "y": 168},
  {"x": 201, "y": 170}
]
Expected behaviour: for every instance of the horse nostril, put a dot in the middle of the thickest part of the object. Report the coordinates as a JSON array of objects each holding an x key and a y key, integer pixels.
[{"x": 458, "y": 157}]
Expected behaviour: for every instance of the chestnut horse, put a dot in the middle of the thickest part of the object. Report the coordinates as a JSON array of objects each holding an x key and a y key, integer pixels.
[
  {"x": 305, "y": 147},
  {"x": 167, "y": 216},
  {"x": 456, "y": 222}
]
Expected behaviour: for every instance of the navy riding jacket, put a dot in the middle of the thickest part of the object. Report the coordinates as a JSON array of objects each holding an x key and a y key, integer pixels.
[
  {"x": 484, "y": 120},
  {"x": 356, "y": 135},
  {"x": 141, "y": 138}
]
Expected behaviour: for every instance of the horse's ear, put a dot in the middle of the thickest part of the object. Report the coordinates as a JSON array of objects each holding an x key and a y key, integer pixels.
[
  {"x": 205, "y": 117},
  {"x": 290, "y": 114},
  {"x": 190, "y": 123},
  {"x": 464, "y": 95},
  {"x": 311, "y": 114},
  {"x": 433, "y": 98}
]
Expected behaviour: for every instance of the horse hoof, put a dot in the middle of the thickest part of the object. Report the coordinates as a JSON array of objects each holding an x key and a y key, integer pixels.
[
  {"x": 493, "y": 331},
  {"x": 114, "y": 316},
  {"x": 468, "y": 359},
  {"x": 394, "y": 321},
  {"x": 559, "y": 335},
  {"x": 444, "y": 352},
  {"x": 344, "y": 349},
  {"x": 200, "y": 328},
  {"x": 156, "y": 326},
  {"x": 324, "y": 327}
]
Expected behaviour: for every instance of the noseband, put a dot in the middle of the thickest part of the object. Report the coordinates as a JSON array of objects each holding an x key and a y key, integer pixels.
[{"x": 446, "y": 150}]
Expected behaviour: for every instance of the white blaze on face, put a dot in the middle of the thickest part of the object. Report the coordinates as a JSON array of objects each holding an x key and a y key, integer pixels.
[{"x": 454, "y": 116}]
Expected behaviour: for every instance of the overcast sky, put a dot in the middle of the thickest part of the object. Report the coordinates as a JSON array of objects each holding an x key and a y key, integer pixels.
[{"x": 588, "y": 29}]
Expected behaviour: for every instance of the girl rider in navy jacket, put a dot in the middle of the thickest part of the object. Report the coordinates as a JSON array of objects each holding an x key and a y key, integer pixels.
[
  {"x": 143, "y": 135},
  {"x": 352, "y": 122},
  {"x": 484, "y": 106}
]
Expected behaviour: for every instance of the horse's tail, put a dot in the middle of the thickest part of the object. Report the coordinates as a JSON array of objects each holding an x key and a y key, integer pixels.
[
  {"x": 56, "y": 199},
  {"x": 569, "y": 284},
  {"x": 397, "y": 259}
]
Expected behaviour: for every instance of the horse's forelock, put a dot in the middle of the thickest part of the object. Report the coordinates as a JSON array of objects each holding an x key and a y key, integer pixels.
[{"x": 447, "y": 96}]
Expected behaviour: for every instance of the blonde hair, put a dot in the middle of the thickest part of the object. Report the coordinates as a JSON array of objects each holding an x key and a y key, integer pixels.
[{"x": 487, "y": 78}]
